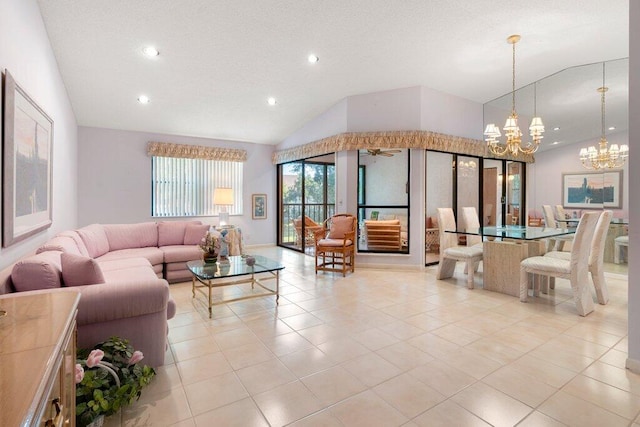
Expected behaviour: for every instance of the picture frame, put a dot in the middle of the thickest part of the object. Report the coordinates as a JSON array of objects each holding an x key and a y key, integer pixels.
[
  {"x": 259, "y": 206},
  {"x": 27, "y": 165},
  {"x": 592, "y": 190},
  {"x": 374, "y": 215}
]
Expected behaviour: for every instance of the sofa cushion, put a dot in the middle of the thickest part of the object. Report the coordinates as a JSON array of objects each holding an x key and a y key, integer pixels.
[
  {"x": 128, "y": 236},
  {"x": 41, "y": 271},
  {"x": 181, "y": 253},
  {"x": 172, "y": 232},
  {"x": 78, "y": 270},
  {"x": 339, "y": 226},
  {"x": 76, "y": 238},
  {"x": 153, "y": 255},
  {"x": 194, "y": 233},
  {"x": 119, "y": 264},
  {"x": 61, "y": 244},
  {"x": 130, "y": 275},
  {"x": 94, "y": 239}
]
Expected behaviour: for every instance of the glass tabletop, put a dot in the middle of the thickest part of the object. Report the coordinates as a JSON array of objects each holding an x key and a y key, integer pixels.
[
  {"x": 235, "y": 266},
  {"x": 519, "y": 232}
]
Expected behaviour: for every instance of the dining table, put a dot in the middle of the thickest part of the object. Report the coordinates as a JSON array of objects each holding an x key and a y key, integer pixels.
[{"x": 503, "y": 247}]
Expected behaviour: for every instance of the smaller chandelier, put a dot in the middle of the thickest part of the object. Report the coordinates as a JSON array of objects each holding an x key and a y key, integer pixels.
[
  {"x": 604, "y": 157},
  {"x": 513, "y": 145}
]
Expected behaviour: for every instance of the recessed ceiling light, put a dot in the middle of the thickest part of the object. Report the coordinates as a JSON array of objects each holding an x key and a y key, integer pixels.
[
  {"x": 556, "y": 128},
  {"x": 612, "y": 128},
  {"x": 143, "y": 99},
  {"x": 555, "y": 143},
  {"x": 150, "y": 51},
  {"x": 313, "y": 58},
  {"x": 271, "y": 101}
]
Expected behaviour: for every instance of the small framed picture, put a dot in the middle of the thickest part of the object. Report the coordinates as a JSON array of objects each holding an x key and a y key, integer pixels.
[
  {"x": 259, "y": 203},
  {"x": 374, "y": 215}
]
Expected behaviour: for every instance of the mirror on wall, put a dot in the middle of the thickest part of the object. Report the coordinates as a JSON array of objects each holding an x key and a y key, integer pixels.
[{"x": 569, "y": 104}]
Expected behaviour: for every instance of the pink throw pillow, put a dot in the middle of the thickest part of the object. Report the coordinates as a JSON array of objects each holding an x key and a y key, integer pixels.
[
  {"x": 339, "y": 226},
  {"x": 194, "y": 233},
  {"x": 78, "y": 270}
]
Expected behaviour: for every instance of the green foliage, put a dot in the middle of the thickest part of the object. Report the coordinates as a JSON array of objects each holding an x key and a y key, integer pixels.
[{"x": 98, "y": 393}]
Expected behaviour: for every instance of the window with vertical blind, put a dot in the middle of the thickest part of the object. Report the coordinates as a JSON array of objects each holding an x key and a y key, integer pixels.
[{"x": 185, "y": 186}]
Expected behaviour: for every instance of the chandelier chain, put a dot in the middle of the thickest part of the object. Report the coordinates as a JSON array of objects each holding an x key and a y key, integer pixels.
[{"x": 513, "y": 79}]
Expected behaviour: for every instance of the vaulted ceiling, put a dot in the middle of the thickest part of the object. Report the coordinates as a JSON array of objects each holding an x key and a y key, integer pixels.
[{"x": 220, "y": 60}]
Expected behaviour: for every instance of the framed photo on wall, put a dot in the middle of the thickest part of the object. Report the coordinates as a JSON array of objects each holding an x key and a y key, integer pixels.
[
  {"x": 27, "y": 165},
  {"x": 259, "y": 204},
  {"x": 592, "y": 190}
]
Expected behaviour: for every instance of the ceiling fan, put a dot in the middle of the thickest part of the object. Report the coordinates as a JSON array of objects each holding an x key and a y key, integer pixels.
[{"x": 381, "y": 152}]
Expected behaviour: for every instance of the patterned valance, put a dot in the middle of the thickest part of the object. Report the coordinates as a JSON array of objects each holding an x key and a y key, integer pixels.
[
  {"x": 398, "y": 139},
  {"x": 165, "y": 149}
]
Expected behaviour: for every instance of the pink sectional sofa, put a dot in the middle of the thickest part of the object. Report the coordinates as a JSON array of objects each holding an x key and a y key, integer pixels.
[{"x": 122, "y": 272}]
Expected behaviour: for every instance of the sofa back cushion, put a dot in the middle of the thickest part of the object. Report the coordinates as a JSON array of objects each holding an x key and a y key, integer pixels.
[
  {"x": 94, "y": 239},
  {"x": 40, "y": 271},
  {"x": 73, "y": 234},
  {"x": 60, "y": 243},
  {"x": 194, "y": 233},
  {"x": 130, "y": 236},
  {"x": 79, "y": 270},
  {"x": 172, "y": 232}
]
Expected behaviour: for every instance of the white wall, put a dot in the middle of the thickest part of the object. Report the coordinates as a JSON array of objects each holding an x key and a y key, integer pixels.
[
  {"x": 544, "y": 178},
  {"x": 331, "y": 122},
  {"x": 26, "y": 52},
  {"x": 114, "y": 175},
  {"x": 451, "y": 115},
  {"x": 634, "y": 205},
  {"x": 390, "y": 110}
]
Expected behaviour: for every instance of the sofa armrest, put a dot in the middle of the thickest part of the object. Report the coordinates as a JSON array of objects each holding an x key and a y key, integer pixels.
[{"x": 123, "y": 299}]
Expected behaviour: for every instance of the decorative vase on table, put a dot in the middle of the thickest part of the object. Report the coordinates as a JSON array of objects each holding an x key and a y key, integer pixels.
[{"x": 210, "y": 257}]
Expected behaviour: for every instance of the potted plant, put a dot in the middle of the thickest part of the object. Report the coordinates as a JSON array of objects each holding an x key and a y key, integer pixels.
[
  {"x": 210, "y": 245},
  {"x": 108, "y": 378}
]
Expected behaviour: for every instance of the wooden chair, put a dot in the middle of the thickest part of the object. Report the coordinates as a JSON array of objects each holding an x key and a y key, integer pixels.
[
  {"x": 335, "y": 244},
  {"x": 596, "y": 257},
  {"x": 383, "y": 235},
  {"x": 576, "y": 269},
  {"x": 450, "y": 252},
  {"x": 310, "y": 227}
]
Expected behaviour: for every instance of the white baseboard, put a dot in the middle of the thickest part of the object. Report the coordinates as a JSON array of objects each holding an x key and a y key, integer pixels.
[{"x": 633, "y": 365}]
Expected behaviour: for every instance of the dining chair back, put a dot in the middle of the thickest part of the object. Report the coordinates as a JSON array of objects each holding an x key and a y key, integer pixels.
[
  {"x": 471, "y": 221},
  {"x": 450, "y": 253}
]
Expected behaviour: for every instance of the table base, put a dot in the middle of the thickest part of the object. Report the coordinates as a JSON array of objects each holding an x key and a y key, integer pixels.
[{"x": 209, "y": 284}]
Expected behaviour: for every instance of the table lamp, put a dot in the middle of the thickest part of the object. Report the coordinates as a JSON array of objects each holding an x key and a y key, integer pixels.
[{"x": 223, "y": 197}]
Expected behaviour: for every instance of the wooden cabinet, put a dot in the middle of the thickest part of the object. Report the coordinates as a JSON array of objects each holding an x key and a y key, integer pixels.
[{"x": 37, "y": 359}]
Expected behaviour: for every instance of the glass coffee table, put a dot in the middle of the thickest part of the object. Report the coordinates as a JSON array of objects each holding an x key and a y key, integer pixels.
[{"x": 222, "y": 273}]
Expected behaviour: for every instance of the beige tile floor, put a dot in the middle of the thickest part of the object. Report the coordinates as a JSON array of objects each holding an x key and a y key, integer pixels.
[{"x": 391, "y": 348}]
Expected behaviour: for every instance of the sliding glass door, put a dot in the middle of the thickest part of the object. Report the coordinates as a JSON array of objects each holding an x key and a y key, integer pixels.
[{"x": 306, "y": 193}]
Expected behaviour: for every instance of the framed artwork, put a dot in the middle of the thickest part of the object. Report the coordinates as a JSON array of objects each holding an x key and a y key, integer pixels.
[
  {"x": 374, "y": 215},
  {"x": 592, "y": 190},
  {"x": 28, "y": 147},
  {"x": 259, "y": 203}
]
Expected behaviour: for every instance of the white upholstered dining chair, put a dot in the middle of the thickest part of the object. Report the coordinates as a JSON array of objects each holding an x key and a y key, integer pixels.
[
  {"x": 596, "y": 257},
  {"x": 576, "y": 270},
  {"x": 556, "y": 243},
  {"x": 450, "y": 252}
]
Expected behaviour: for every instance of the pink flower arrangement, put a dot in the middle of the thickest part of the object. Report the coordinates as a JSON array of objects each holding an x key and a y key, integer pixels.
[
  {"x": 135, "y": 358},
  {"x": 94, "y": 358}
]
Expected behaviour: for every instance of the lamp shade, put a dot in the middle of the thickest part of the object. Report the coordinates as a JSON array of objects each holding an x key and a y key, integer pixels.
[{"x": 223, "y": 196}]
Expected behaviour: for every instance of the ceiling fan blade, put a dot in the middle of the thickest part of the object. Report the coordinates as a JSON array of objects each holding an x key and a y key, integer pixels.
[{"x": 385, "y": 153}]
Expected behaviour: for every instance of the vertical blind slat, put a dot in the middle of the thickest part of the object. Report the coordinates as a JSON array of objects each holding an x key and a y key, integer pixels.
[{"x": 184, "y": 187}]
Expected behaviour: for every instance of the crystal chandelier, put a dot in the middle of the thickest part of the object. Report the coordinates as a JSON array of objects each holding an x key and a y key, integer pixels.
[
  {"x": 513, "y": 145},
  {"x": 604, "y": 157}
]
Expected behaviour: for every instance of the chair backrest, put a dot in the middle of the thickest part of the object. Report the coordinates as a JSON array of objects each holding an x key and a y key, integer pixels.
[
  {"x": 582, "y": 241},
  {"x": 549, "y": 220},
  {"x": 339, "y": 224},
  {"x": 471, "y": 221},
  {"x": 596, "y": 256},
  {"x": 560, "y": 215},
  {"x": 446, "y": 221}
]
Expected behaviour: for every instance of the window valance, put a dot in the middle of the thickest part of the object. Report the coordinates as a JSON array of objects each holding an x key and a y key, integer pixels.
[
  {"x": 396, "y": 139},
  {"x": 165, "y": 149}
]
